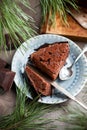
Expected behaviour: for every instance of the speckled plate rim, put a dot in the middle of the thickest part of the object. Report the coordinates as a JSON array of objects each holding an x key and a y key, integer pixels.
[{"x": 21, "y": 56}]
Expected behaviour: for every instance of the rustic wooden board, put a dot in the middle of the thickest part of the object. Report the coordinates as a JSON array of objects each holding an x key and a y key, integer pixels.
[
  {"x": 73, "y": 30},
  {"x": 80, "y": 16}
]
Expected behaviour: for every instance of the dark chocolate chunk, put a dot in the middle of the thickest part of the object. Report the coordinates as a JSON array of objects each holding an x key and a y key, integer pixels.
[
  {"x": 6, "y": 78},
  {"x": 3, "y": 63}
]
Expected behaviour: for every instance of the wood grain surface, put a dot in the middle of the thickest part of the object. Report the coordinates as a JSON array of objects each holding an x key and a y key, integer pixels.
[
  {"x": 75, "y": 29},
  {"x": 80, "y": 16}
]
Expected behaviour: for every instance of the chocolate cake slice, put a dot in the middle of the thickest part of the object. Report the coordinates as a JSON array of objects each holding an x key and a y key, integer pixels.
[
  {"x": 38, "y": 82},
  {"x": 51, "y": 59},
  {"x": 6, "y": 78}
]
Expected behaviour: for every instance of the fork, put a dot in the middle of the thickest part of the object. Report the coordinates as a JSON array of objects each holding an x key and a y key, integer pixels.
[{"x": 65, "y": 92}]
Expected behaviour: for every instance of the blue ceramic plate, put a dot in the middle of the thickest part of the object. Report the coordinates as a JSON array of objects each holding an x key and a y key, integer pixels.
[{"x": 73, "y": 85}]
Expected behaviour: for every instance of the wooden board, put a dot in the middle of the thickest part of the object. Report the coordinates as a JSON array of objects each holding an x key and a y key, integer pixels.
[
  {"x": 74, "y": 30},
  {"x": 80, "y": 16}
]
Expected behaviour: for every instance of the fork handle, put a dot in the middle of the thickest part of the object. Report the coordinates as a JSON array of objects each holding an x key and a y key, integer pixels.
[
  {"x": 83, "y": 51},
  {"x": 80, "y": 103},
  {"x": 64, "y": 91}
]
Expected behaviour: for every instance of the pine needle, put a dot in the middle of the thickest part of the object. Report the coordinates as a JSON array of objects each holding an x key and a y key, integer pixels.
[
  {"x": 15, "y": 22},
  {"x": 27, "y": 115},
  {"x": 51, "y": 7},
  {"x": 75, "y": 118}
]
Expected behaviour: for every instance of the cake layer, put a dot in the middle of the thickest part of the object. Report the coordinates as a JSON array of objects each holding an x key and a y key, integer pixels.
[
  {"x": 51, "y": 58},
  {"x": 38, "y": 82}
]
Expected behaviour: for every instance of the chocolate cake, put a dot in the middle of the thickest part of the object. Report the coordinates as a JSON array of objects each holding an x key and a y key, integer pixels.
[
  {"x": 38, "y": 82},
  {"x": 51, "y": 59},
  {"x": 6, "y": 78}
]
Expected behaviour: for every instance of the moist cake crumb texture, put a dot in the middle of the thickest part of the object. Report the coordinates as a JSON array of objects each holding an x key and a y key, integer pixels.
[
  {"x": 38, "y": 82},
  {"x": 51, "y": 59}
]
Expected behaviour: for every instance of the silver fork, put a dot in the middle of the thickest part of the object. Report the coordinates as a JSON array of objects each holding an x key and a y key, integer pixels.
[{"x": 64, "y": 91}]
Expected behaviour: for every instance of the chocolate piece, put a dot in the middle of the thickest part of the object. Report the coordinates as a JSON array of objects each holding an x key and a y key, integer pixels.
[
  {"x": 2, "y": 63},
  {"x": 51, "y": 59},
  {"x": 6, "y": 78},
  {"x": 38, "y": 82}
]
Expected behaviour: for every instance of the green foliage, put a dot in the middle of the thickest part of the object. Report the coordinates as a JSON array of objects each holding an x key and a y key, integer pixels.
[
  {"x": 15, "y": 22},
  {"x": 51, "y": 7},
  {"x": 26, "y": 115},
  {"x": 75, "y": 118}
]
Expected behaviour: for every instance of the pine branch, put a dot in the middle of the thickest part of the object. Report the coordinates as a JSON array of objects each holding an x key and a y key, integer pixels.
[
  {"x": 51, "y": 7},
  {"x": 76, "y": 119},
  {"x": 15, "y": 22},
  {"x": 27, "y": 115}
]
